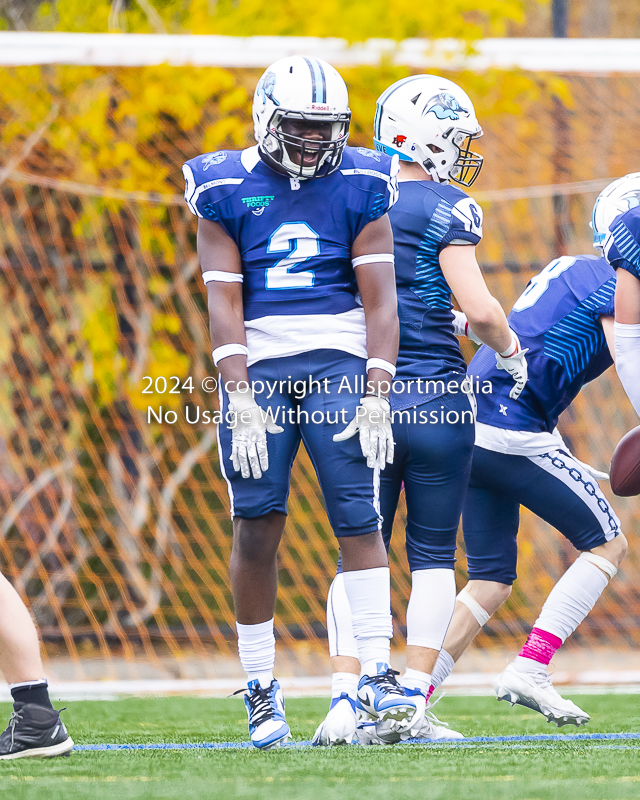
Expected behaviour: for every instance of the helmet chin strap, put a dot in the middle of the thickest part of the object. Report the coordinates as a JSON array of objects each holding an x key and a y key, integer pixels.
[{"x": 430, "y": 168}]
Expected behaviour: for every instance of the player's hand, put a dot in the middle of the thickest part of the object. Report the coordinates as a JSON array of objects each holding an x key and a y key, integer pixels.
[
  {"x": 249, "y": 454},
  {"x": 515, "y": 363},
  {"x": 461, "y": 327},
  {"x": 373, "y": 422}
]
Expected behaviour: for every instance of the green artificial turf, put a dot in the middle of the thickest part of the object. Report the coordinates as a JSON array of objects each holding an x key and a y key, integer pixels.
[{"x": 503, "y": 771}]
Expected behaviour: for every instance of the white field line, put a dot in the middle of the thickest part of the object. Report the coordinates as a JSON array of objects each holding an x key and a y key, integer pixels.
[{"x": 471, "y": 683}]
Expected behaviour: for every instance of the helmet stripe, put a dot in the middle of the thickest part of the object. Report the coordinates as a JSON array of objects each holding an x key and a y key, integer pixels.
[{"x": 318, "y": 81}]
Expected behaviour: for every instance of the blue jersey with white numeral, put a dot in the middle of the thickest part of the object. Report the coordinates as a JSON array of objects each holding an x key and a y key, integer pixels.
[
  {"x": 427, "y": 217},
  {"x": 557, "y": 319},
  {"x": 622, "y": 246},
  {"x": 294, "y": 237}
]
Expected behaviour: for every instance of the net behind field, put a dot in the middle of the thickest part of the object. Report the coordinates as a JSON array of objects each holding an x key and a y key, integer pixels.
[{"x": 114, "y": 526}]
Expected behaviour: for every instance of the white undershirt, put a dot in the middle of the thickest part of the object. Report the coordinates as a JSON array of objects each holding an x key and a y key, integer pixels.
[{"x": 280, "y": 336}]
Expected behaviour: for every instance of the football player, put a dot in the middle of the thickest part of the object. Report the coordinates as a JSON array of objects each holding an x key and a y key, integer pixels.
[
  {"x": 35, "y": 727},
  {"x": 429, "y": 122},
  {"x": 565, "y": 317},
  {"x": 616, "y": 226},
  {"x": 297, "y": 253}
]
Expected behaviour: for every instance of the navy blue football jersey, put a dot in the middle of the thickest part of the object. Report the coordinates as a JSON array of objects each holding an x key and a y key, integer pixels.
[
  {"x": 622, "y": 246},
  {"x": 294, "y": 236},
  {"x": 556, "y": 318},
  {"x": 427, "y": 217}
]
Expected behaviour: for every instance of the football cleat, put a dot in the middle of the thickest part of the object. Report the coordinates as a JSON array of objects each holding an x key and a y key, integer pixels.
[
  {"x": 538, "y": 694},
  {"x": 339, "y": 726},
  {"x": 383, "y": 698},
  {"x": 265, "y": 708},
  {"x": 434, "y": 730},
  {"x": 34, "y": 731}
]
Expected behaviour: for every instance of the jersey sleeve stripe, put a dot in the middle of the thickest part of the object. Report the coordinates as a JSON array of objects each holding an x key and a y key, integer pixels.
[
  {"x": 211, "y": 185},
  {"x": 190, "y": 188}
]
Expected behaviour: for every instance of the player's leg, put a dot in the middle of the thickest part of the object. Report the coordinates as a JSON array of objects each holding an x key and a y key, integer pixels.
[
  {"x": 490, "y": 520},
  {"x": 436, "y": 477},
  {"x": 566, "y": 496},
  {"x": 339, "y": 724},
  {"x": 35, "y": 728},
  {"x": 351, "y": 492},
  {"x": 258, "y": 508}
]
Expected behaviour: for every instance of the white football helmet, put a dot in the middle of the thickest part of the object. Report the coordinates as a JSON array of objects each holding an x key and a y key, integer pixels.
[
  {"x": 618, "y": 197},
  {"x": 306, "y": 89},
  {"x": 431, "y": 121}
]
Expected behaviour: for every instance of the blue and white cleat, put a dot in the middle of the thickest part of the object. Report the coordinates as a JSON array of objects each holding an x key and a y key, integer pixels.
[
  {"x": 265, "y": 707},
  {"x": 383, "y": 698},
  {"x": 339, "y": 726}
]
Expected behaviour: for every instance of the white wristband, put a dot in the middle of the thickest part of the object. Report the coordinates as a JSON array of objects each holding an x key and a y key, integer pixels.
[
  {"x": 380, "y": 363},
  {"x": 375, "y": 258},
  {"x": 223, "y": 277},
  {"x": 513, "y": 348},
  {"x": 226, "y": 350}
]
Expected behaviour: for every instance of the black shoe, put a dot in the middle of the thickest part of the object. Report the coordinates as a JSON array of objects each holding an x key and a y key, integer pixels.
[{"x": 34, "y": 731}]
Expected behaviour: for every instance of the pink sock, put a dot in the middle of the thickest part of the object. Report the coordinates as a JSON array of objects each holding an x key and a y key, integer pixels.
[{"x": 540, "y": 646}]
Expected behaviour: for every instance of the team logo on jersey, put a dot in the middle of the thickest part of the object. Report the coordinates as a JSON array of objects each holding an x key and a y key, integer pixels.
[
  {"x": 368, "y": 153},
  {"x": 445, "y": 106},
  {"x": 399, "y": 140},
  {"x": 266, "y": 85},
  {"x": 212, "y": 159},
  {"x": 258, "y": 204}
]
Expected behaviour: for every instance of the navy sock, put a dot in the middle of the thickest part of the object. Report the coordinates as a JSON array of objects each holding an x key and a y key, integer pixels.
[{"x": 35, "y": 693}]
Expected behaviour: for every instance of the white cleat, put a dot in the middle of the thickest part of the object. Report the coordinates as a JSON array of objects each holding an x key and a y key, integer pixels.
[
  {"x": 339, "y": 726},
  {"x": 538, "y": 694},
  {"x": 434, "y": 730}
]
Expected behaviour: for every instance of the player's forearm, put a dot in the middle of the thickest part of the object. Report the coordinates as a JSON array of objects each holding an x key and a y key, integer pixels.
[
  {"x": 226, "y": 326},
  {"x": 383, "y": 335},
  {"x": 627, "y": 349},
  {"x": 489, "y": 323}
]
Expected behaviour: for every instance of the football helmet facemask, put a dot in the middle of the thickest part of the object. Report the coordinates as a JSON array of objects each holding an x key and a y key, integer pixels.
[
  {"x": 618, "y": 197},
  {"x": 431, "y": 121},
  {"x": 301, "y": 117}
]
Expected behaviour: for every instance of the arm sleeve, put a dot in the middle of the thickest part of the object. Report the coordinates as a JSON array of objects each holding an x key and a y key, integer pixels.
[
  {"x": 627, "y": 348},
  {"x": 466, "y": 224}
]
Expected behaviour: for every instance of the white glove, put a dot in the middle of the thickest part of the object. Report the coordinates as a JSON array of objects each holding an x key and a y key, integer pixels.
[
  {"x": 249, "y": 454},
  {"x": 461, "y": 327},
  {"x": 515, "y": 364},
  {"x": 373, "y": 422}
]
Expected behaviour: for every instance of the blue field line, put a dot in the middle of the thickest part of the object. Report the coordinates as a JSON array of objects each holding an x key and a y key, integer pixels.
[{"x": 541, "y": 737}]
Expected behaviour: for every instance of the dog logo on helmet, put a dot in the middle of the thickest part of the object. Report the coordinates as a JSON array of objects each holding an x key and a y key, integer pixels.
[
  {"x": 265, "y": 88},
  {"x": 445, "y": 106}
]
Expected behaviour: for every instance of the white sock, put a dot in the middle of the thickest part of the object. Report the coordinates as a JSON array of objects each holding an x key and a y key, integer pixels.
[
  {"x": 529, "y": 666},
  {"x": 415, "y": 679},
  {"x": 572, "y": 598},
  {"x": 339, "y": 628},
  {"x": 369, "y": 595},
  {"x": 442, "y": 670},
  {"x": 431, "y": 605},
  {"x": 257, "y": 649},
  {"x": 344, "y": 683}
]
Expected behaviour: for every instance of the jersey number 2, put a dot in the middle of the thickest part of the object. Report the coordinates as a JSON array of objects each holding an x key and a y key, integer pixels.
[{"x": 301, "y": 243}]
